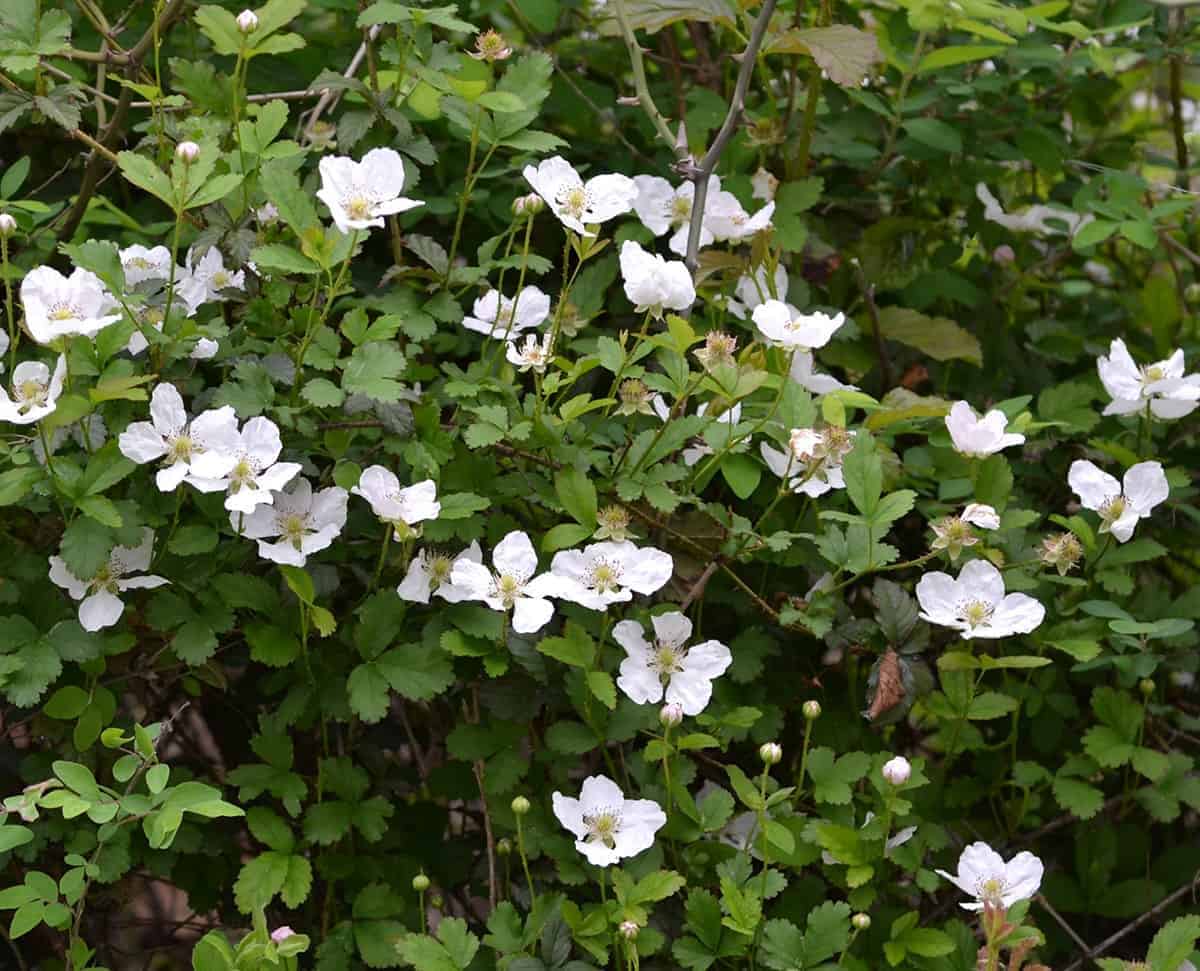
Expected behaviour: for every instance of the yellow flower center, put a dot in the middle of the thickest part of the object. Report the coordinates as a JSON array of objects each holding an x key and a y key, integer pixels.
[
  {"x": 606, "y": 577},
  {"x": 574, "y": 201},
  {"x": 680, "y": 210},
  {"x": 32, "y": 392},
  {"x": 976, "y": 613},
  {"x": 992, "y": 891},
  {"x": 602, "y": 827},
  {"x": 292, "y": 529},
  {"x": 358, "y": 208},
  {"x": 1112, "y": 510},
  {"x": 668, "y": 660},
  {"x": 439, "y": 569},
  {"x": 63, "y": 311},
  {"x": 182, "y": 449}
]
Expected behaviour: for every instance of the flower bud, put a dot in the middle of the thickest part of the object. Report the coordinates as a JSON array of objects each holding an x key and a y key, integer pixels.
[
  {"x": 671, "y": 715},
  {"x": 861, "y": 921},
  {"x": 247, "y": 21},
  {"x": 1146, "y": 687},
  {"x": 897, "y": 770},
  {"x": 504, "y": 846},
  {"x": 812, "y": 710},
  {"x": 8, "y": 225},
  {"x": 1004, "y": 255},
  {"x": 529, "y": 205},
  {"x": 770, "y": 753},
  {"x": 187, "y": 152},
  {"x": 282, "y": 934},
  {"x": 629, "y": 930},
  {"x": 520, "y": 805},
  {"x": 420, "y": 883}
]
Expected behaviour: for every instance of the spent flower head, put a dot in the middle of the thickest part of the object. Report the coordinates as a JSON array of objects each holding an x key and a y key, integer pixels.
[
  {"x": 612, "y": 522},
  {"x": 491, "y": 46},
  {"x": 1061, "y": 551}
]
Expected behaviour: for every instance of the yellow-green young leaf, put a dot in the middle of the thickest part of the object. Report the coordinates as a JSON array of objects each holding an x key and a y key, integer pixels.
[
  {"x": 959, "y": 54},
  {"x": 600, "y": 683},
  {"x": 654, "y": 15},
  {"x": 940, "y": 338}
]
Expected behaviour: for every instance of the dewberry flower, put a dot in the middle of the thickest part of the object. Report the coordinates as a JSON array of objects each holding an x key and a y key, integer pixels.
[
  {"x": 612, "y": 522},
  {"x": 576, "y": 203},
  {"x": 667, "y": 668},
  {"x": 763, "y": 185},
  {"x": 400, "y": 508},
  {"x": 1120, "y": 504},
  {"x": 978, "y": 437},
  {"x": 500, "y": 316},
  {"x": 1160, "y": 389},
  {"x": 35, "y": 392},
  {"x": 608, "y": 573},
  {"x": 662, "y": 207},
  {"x": 99, "y": 605},
  {"x": 430, "y": 572},
  {"x": 141, "y": 264},
  {"x": 607, "y": 826},
  {"x": 1061, "y": 551},
  {"x": 60, "y": 306},
  {"x": 653, "y": 284},
  {"x": 755, "y": 289},
  {"x": 206, "y": 279},
  {"x": 360, "y": 194},
  {"x": 953, "y": 533},
  {"x": 975, "y": 604},
  {"x": 729, "y": 222},
  {"x": 533, "y": 355},
  {"x": 511, "y": 585},
  {"x": 780, "y": 324},
  {"x": 305, "y": 522},
  {"x": 804, "y": 374},
  {"x": 983, "y": 874},
  {"x": 170, "y": 436},
  {"x": 813, "y": 462},
  {"x": 256, "y": 473}
]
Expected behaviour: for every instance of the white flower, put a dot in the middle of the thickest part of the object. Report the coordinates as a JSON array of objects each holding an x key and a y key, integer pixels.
[
  {"x": 980, "y": 514},
  {"x": 897, "y": 770},
  {"x": 729, "y": 222},
  {"x": 763, "y": 185},
  {"x": 576, "y": 203},
  {"x": 360, "y": 194},
  {"x": 810, "y": 380},
  {"x": 429, "y": 572},
  {"x": 59, "y": 306},
  {"x": 141, "y": 264},
  {"x": 983, "y": 874},
  {"x": 169, "y": 436},
  {"x": 1120, "y": 505},
  {"x": 499, "y": 316},
  {"x": 783, "y": 325},
  {"x": 978, "y": 437},
  {"x": 662, "y": 208},
  {"x": 100, "y": 606},
  {"x": 512, "y": 585},
  {"x": 654, "y": 284},
  {"x": 248, "y": 468},
  {"x": 975, "y": 604},
  {"x": 200, "y": 282},
  {"x": 813, "y": 462},
  {"x": 756, "y": 289},
  {"x": 399, "y": 508},
  {"x": 699, "y": 447},
  {"x": 35, "y": 392},
  {"x": 532, "y": 355},
  {"x": 607, "y": 826},
  {"x": 607, "y": 573},
  {"x": 1161, "y": 387},
  {"x": 667, "y": 667},
  {"x": 305, "y": 522}
]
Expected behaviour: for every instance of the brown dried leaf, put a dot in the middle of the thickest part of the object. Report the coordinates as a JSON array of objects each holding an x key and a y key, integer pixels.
[{"x": 889, "y": 688}]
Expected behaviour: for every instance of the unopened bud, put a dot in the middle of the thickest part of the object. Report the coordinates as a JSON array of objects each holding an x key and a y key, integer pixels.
[
  {"x": 520, "y": 805},
  {"x": 282, "y": 934},
  {"x": 629, "y": 930},
  {"x": 504, "y": 846},
  {"x": 861, "y": 921},
  {"x": 897, "y": 770},
  {"x": 529, "y": 205},
  {"x": 770, "y": 752},
  {"x": 187, "y": 152},
  {"x": 8, "y": 225},
  {"x": 420, "y": 883},
  {"x": 247, "y": 21},
  {"x": 1146, "y": 687},
  {"x": 812, "y": 710},
  {"x": 1192, "y": 293},
  {"x": 1004, "y": 255},
  {"x": 671, "y": 715}
]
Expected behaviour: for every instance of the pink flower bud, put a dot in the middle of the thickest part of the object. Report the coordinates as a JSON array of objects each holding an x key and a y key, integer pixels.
[
  {"x": 187, "y": 152},
  {"x": 897, "y": 770},
  {"x": 247, "y": 21}
]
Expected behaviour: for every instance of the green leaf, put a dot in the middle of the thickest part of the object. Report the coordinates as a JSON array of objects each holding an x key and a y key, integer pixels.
[
  {"x": 791, "y": 200},
  {"x": 1174, "y": 943},
  {"x": 832, "y": 777},
  {"x": 66, "y": 703},
  {"x": 959, "y": 54},
  {"x": 415, "y": 672},
  {"x": 271, "y": 645},
  {"x": 85, "y": 547},
  {"x": 935, "y": 134},
  {"x": 146, "y": 175},
  {"x": 600, "y": 684},
  {"x": 575, "y": 647},
  {"x": 940, "y": 338},
  {"x": 577, "y": 495},
  {"x": 283, "y": 259},
  {"x": 1092, "y": 233},
  {"x": 373, "y": 369},
  {"x": 843, "y": 52},
  {"x": 863, "y": 472}
]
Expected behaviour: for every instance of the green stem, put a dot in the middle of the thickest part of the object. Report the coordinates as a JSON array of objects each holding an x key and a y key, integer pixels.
[
  {"x": 383, "y": 551},
  {"x": 8, "y": 304},
  {"x": 465, "y": 196},
  {"x": 524, "y": 859}
]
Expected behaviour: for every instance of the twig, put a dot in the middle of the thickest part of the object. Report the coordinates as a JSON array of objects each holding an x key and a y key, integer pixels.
[
  {"x": 645, "y": 99},
  {"x": 699, "y": 585},
  {"x": 1154, "y": 911},
  {"x": 87, "y": 139},
  {"x": 868, "y": 292},
  {"x": 699, "y": 174},
  {"x": 493, "y": 896},
  {"x": 59, "y": 73},
  {"x": 1179, "y": 248},
  {"x": 1058, "y": 919},
  {"x": 330, "y": 98},
  {"x": 1176, "y": 91}
]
